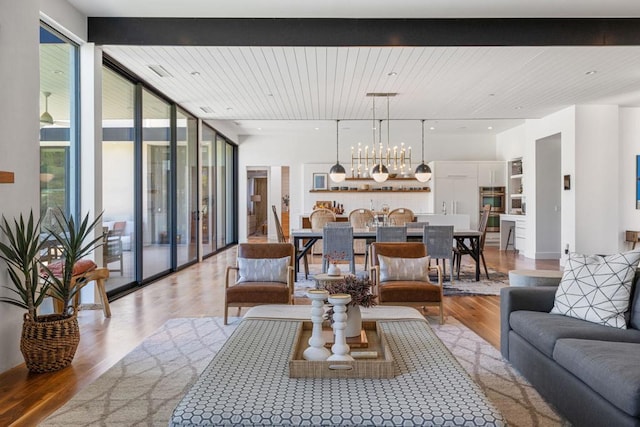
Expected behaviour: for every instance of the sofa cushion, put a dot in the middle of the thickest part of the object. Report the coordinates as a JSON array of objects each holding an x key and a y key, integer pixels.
[
  {"x": 263, "y": 269},
  {"x": 597, "y": 288},
  {"x": 542, "y": 330},
  {"x": 412, "y": 269},
  {"x": 609, "y": 368}
]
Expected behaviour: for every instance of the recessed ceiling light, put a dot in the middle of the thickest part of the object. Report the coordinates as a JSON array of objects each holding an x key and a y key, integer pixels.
[
  {"x": 490, "y": 127},
  {"x": 317, "y": 128},
  {"x": 270, "y": 94},
  {"x": 159, "y": 70},
  {"x": 591, "y": 72},
  {"x": 229, "y": 108},
  {"x": 392, "y": 73},
  {"x": 195, "y": 73},
  {"x": 207, "y": 110},
  {"x": 519, "y": 107},
  {"x": 492, "y": 94},
  {"x": 259, "y": 128},
  {"x": 432, "y": 128}
]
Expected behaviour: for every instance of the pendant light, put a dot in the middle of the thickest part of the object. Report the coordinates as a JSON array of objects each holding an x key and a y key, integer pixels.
[
  {"x": 337, "y": 172},
  {"x": 380, "y": 173},
  {"x": 46, "y": 118},
  {"x": 423, "y": 171}
]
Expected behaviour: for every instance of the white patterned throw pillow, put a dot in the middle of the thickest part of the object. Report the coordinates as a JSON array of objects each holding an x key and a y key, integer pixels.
[
  {"x": 263, "y": 269},
  {"x": 597, "y": 288},
  {"x": 392, "y": 268}
]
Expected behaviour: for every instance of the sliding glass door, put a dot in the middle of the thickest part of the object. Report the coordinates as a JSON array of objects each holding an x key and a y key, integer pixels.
[
  {"x": 118, "y": 176},
  {"x": 156, "y": 185},
  {"x": 186, "y": 188},
  {"x": 207, "y": 191}
]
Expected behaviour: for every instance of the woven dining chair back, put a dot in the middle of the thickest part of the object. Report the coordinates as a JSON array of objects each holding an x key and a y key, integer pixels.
[
  {"x": 360, "y": 219},
  {"x": 318, "y": 219},
  {"x": 391, "y": 234},
  {"x": 439, "y": 242},
  {"x": 337, "y": 243},
  {"x": 401, "y": 216}
]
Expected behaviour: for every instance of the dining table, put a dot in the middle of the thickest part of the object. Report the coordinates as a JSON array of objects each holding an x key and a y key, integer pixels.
[{"x": 468, "y": 240}]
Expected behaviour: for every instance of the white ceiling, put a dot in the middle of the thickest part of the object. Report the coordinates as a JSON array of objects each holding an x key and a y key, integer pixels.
[{"x": 466, "y": 89}]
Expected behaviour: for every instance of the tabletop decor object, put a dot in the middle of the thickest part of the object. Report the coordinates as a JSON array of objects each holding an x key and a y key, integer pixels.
[
  {"x": 317, "y": 350},
  {"x": 360, "y": 291},
  {"x": 333, "y": 258},
  {"x": 340, "y": 348}
]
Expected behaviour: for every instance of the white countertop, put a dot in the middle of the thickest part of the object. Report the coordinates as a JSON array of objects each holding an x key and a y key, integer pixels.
[{"x": 512, "y": 217}]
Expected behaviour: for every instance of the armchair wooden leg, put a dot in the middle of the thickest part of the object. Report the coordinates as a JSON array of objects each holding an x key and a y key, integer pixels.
[{"x": 226, "y": 314}]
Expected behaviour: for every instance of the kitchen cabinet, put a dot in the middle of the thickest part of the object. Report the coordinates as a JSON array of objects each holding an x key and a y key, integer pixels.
[
  {"x": 447, "y": 169},
  {"x": 457, "y": 195},
  {"x": 492, "y": 174}
]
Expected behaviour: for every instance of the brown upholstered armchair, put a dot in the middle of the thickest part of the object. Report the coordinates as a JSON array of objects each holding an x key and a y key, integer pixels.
[
  {"x": 400, "y": 275},
  {"x": 263, "y": 275}
]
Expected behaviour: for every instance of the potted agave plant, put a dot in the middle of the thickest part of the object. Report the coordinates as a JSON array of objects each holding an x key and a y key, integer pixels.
[{"x": 48, "y": 342}]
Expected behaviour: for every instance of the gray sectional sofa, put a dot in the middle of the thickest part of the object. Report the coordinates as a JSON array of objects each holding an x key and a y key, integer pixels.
[{"x": 589, "y": 372}]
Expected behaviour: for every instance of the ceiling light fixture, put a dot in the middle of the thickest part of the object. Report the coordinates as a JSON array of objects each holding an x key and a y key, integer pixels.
[
  {"x": 379, "y": 173},
  {"x": 591, "y": 72},
  {"x": 337, "y": 172},
  {"x": 46, "y": 118},
  {"x": 423, "y": 171}
]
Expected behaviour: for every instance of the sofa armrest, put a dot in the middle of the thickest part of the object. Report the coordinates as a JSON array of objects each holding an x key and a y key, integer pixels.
[{"x": 514, "y": 299}]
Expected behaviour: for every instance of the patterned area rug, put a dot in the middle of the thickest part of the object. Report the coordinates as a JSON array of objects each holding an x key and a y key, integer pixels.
[
  {"x": 466, "y": 285},
  {"x": 145, "y": 386}
]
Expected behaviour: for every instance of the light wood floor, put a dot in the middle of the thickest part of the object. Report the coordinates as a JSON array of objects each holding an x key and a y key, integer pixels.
[{"x": 26, "y": 399}]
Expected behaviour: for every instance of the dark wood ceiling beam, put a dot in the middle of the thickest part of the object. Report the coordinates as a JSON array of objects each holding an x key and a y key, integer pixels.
[{"x": 364, "y": 32}]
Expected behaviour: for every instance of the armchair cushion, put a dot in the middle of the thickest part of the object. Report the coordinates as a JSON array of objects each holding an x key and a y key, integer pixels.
[
  {"x": 411, "y": 269},
  {"x": 263, "y": 269}
]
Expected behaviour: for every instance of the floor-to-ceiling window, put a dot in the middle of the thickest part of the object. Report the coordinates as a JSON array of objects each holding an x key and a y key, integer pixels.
[
  {"x": 207, "y": 190},
  {"x": 186, "y": 188},
  {"x": 59, "y": 127},
  {"x": 118, "y": 177},
  {"x": 157, "y": 197},
  {"x": 156, "y": 185}
]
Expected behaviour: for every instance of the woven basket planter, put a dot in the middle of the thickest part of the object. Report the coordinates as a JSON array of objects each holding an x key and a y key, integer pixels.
[{"x": 50, "y": 343}]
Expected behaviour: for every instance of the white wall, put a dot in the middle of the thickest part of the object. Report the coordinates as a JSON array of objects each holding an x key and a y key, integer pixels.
[
  {"x": 19, "y": 146},
  {"x": 596, "y": 179},
  {"x": 629, "y": 148},
  {"x": 64, "y": 18}
]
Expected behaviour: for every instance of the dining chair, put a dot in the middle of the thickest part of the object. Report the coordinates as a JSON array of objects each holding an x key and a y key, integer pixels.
[
  {"x": 417, "y": 224},
  {"x": 338, "y": 242},
  {"x": 392, "y": 233},
  {"x": 401, "y": 216},
  {"x": 360, "y": 219},
  {"x": 263, "y": 275},
  {"x": 283, "y": 239},
  {"x": 459, "y": 250},
  {"x": 318, "y": 219},
  {"x": 438, "y": 240},
  {"x": 112, "y": 249},
  {"x": 400, "y": 276}
]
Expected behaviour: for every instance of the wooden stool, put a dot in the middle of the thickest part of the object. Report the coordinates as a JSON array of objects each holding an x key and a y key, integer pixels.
[
  {"x": 511, "y": 233},
  {"x": 98, "y": 275}
]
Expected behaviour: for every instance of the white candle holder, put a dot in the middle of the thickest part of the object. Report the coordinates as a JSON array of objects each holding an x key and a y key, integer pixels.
[
  {"x": 340, "y": 347},
  {"x": 316, "y": 350}
]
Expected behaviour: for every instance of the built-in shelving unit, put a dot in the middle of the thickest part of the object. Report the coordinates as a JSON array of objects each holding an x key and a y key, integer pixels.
[{"x": 515, "y": 189}]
